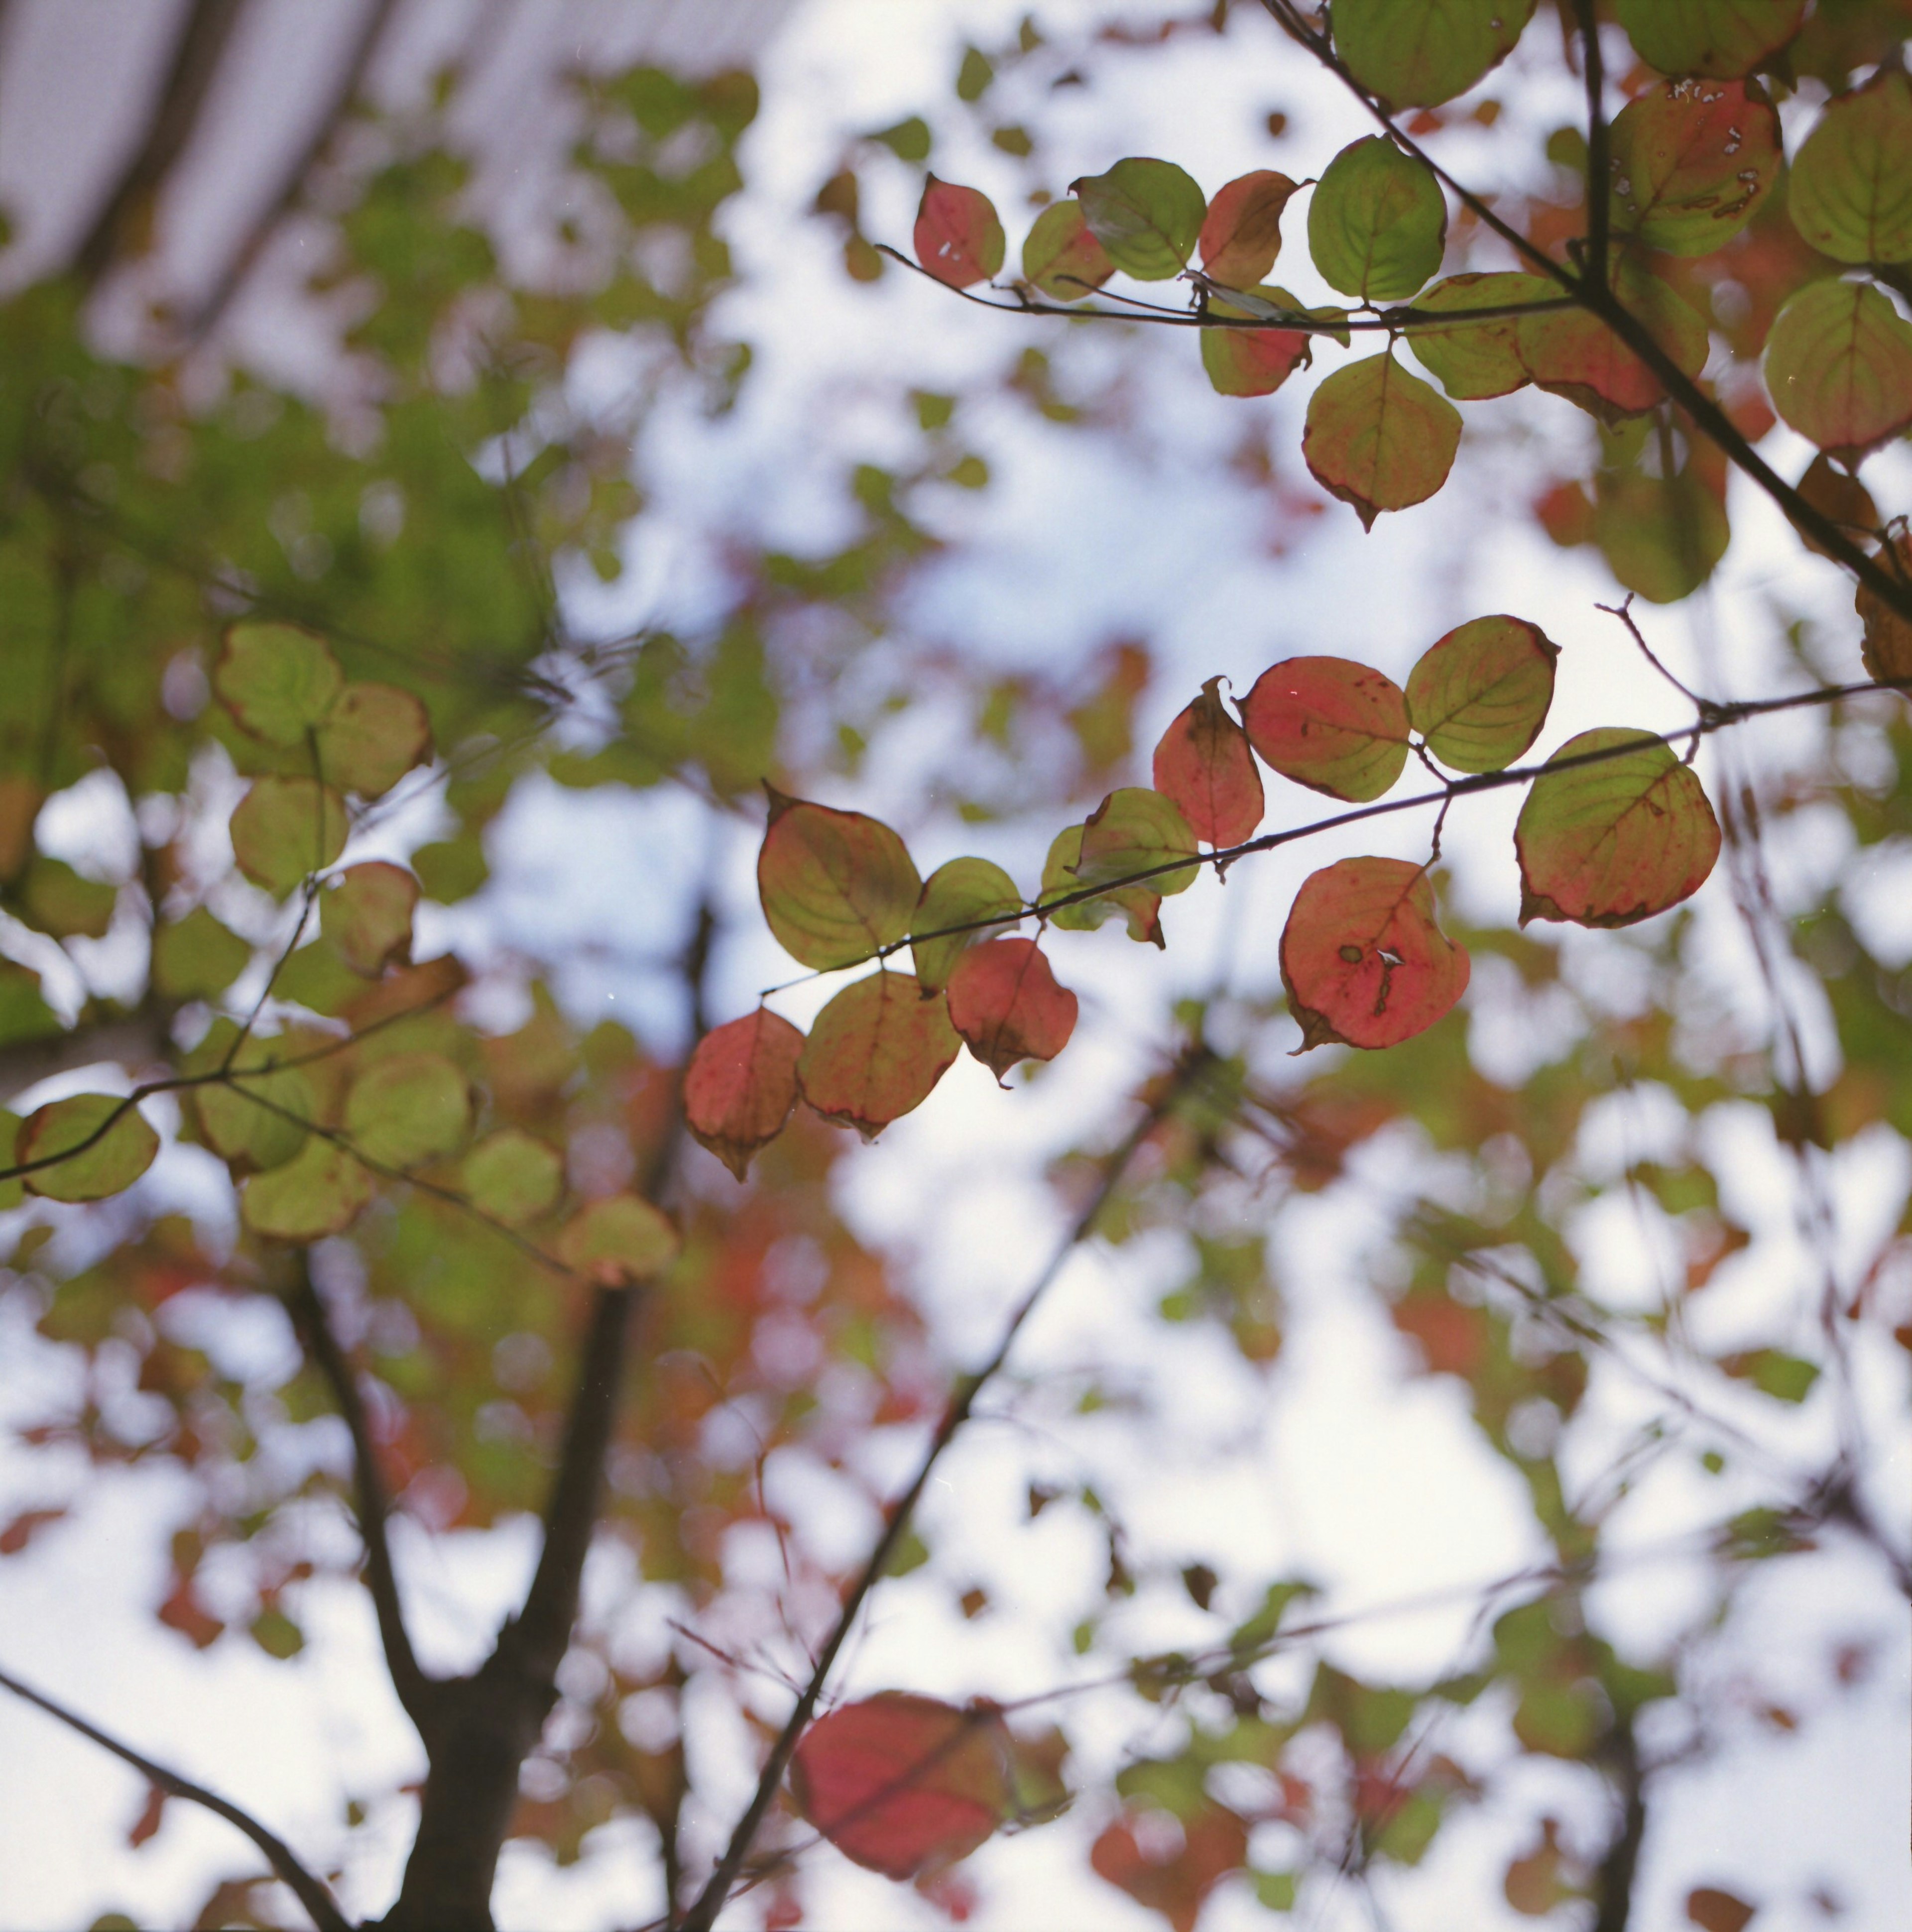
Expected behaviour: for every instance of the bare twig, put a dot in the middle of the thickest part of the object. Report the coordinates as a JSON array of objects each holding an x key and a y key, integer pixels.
[{"x": 1599, "y": 171}]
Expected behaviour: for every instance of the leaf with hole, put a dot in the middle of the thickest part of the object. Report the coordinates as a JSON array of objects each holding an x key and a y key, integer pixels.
[
  {"x": 620, "y": 1242},
  {"x": 1838, "y": 368},
  {"x": 876, "y": 1051},
  {"x": 1614, "y": 841},
  {"x": 1377, "y": 222},
  {"x": 1004, "y": 1001},
  {"x": 740, "y": 1086},
  {"x": 1480, "y": 695},
  {"x": 375, "y": 735},
  {"x": 367, "y": 914},
  {"x": 284, "y": 828},
  {"x": 837, "y": 886},
  {"x": 956, "y": 894},
  {"x": 1203, "y": 765},
  {"x": 279, "y": 682},
  {"x": 513, "y": 1176},
  {"x": 1252, "y": 361},
  {"x": 317, "y": 1194},
  {"x": 1062, "y": 258},
  {"x": 1691, "y": 160},
  {"x": 1379, "y": 438},
  {"x": 1474, "y": 360},
  {"x": 958, "y": 238},
  {"x": 1363, "y": 959},
  {"x": 1147, "y": 214},
  {"x": 1240, "y": 234},
  {"x": 1418, "y": 53},
  {"x": 409, "y": 1109},
  {"x": 1721, "y": 38},
  {"x": 1850, "y": 193},
  {"x": 105, "y": 1140},
  {"x": 1330, "y": 724}
]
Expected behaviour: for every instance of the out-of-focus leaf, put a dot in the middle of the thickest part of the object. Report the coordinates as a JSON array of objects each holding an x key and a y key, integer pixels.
[
  {"x": 409, "y": 1109},
  {"x": 1379, "y": 438},
  {"x": 1418, "y": 53},
  {"x": 740, "y": 1086},
  {"x": 285, "y": 828},
  {"x": 279, "y": 682},
  {"x": 1175, "y": 1881},
  {"x": 105, "y": 1140},
  {"x": 317, "y": 1194},
  {"x": 620, "y": 1242},
  {"x": 1330, "y": 724},
  {"x": 513, "y": 1176},
  {"x": 375, "y": 734},
  {"x": 366, "y": 913},
  {"x": 59, "y": 901},
  {"x": 196, "y": 958},
  {"x": 1061, "y": 256},
  {"x": 1886, "y": 647},
  {"x": 875, "y": 1052}
]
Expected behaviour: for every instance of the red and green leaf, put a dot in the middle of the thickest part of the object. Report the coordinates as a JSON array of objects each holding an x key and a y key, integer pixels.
[
  {"x": 1721, "y": 38},
  {"x": 1147, "y": 214},
  {"x": 1004, "y": 1001},
  {"x": 1379, "y": 438},
  {"x": 1252, "y": 361},
  {"x": 1574, "y": 354},
  {"x": 1850, "y": 192},
  {"x": 1480, "y": 695},
  {"x": 99, "y": 1144},
  {"x": 1662, "y": 536},
  {"x": 1140, "y": 906},
  {"x": 1135, "y": 830},
  {"x": 1474, "y": 360},
  {"x": 1173, "y": 1875},
  {"x": 375, "y": 734},
  {"x": 1330, "y": 724},
  {"x": 1838, "y": 367},
  {"x": 959, "y": 893},
  {"x": 279, "y": 682},
  {"x": 876, "y": 1051},
  {"x": 1418, "y": 53},
  {"x": 1204, "y": 765},
  {"x": 837, "y": 886},
  {"x": 740, "y": 1086},
  {"x": 958, "y": 238},
  {"x": 1241, "y": 235},
  {"x": 1691, "y": 160},
  {"x": 1377, "y": 222},
  {"x": 1061, "y": 256}
]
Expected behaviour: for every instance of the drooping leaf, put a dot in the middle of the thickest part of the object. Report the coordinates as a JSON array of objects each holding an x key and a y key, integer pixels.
[
  {"x": 317, "y": 1194},
  {"x": 1721, "y": 38},
  {"x": 1575, "y": 354},
  {"x": 105, "y": 1140},
  {"x": 513, "y": 1176},
  {"x": 1241, "y": 233},
  {"x": 956, "y": 893},
  {"x": 1613, "y": 842},
  {"x": 366, "y": 913},
  {"x": 279, "y": 682},
  {"x": 1662, "y": 536},
  {"x": 1833, "y": 493},
  {"x": 902, "y": 1784},
  {"x": 621, "y": 1242},
  {"x": 1331, "y": 724},
  {"x": 196, "y": 958},
  {"x": 1134, "y": 830},
  {"x": 1480, "y": 695},
  {"x": 1418, "y": 53},
  {"x": 958, "y": 238},
  {"x": 1850, "y": 193},
  {"x": 1377, "y": 222},
  {"x": 1474, "y": 360},
  {"x": 1690, "y": 161},
  {"x": 1147, "y": 214},
  {"x": 1204, "y": 764},
  {"x": 409, "y": 1109},
  {"x": 1061, "y": 256},
  {"x": 375, "y": 735},
  {"x": 1004, "y": 1001},
  {"x": 875, "y": 1052},
  {"x": 740, "y": 1086},
  {"x": 1141, "y": 906},
  {"x": 1364, "y": 961},
  {"x": 836, "y": 886},
  {"x": 1252, "y": 361},
  {"x": 1887, "y": 646},
  {"x": 284, "y": 828},
  {"x": 1378, "y": 438},
  {"x": 1838, "y": 367}
]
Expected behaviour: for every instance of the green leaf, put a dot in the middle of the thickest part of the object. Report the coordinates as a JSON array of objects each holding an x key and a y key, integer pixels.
[
  {"x": 1147, "y": 214},
  {"x": 908, "y": 140},
  {"x": 1838, "y": 368},
  {"x": 956, "y": 893},
  {"x": 1662, "y": 536},
  {"x": 740, "y": 1086},
  {"x": 318, "y": 1194},
  {"x": 12, "y": 1192},
  {"x": 1330, "y": 724},
  {"x": 409, "y": 1109},
  {"x": 1240, "y": 234},
  {"x": 24, "y": 1013},
  {"x": 513, "y": 1176},
  {"x": 1480, "y": 695},
  {"x": 1850, "y": 194},
  {"x": 619, "y": 1243},
  {"x": 366, "y": 913},
  {"x": 1141, "y": 906},
  {"x": 196, "y": 958},
  {"x": 1613, "y": 842},
  {"x": 1061, "y": 257},
  {"x": 1784, "y": 1378},
  {"x": 1723, "y": 38},
  {"x": 876, "y": 1051},
  {"x": 258, "y": 1121},
  {"x": 1691, "y": 160},
  {"x": 1377, "y": 223},
  {"x": 279, "y": 682},
  {"x": 375, "y": 735},
  {"x": 958, "y": 238},
  {"x": 1474, "y": 360},
  {"x": 58, "y": 900},
  {"x": 1132, "y": 830},
  {"x": 1379, "y": 438},
  {"x": 105, "y": 1139},
  {"x": 1252, "y": 361},
  {"x": 836, "y": 886},
  {"x": 1418, "y": 53},
  {"x": 1263, "y": 1625},
  {"x": 284, "y": 828}
]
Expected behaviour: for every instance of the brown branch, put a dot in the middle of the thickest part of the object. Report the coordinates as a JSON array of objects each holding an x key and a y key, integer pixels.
[
  {"x": 128, "y": 207},
  {"x": 1613, "y": 1881},
  {"x": 702, "y": 1914},
  {"x": 1599, "y": 170},
  {"x": 313, "y": 1895}
]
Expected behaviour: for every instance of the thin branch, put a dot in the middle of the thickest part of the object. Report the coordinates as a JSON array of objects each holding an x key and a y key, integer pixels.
[
  {"x": 1624, "y": 612},
  {"x": 313, "y": 1895},
  {"x": 1599, "y": 168},
  {"x": 702, "y": 1915}
]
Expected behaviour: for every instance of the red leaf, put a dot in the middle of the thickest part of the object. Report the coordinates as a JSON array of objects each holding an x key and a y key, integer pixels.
[
  {"x": 1378, "y": 437},
  {"x": 1573, "y": 354},
  {"x": 875, "y": 1052},
  {"x": 146, "y": 1826},
  {"x": 1362, "y": 959},
  {"x": 741, "y": 1085},
  {"x": 903, "y": 1784},
  {"x": 1204, "y": 764},
  {"x": 1715, "y": 1911},
  {"x": 837, "y": 886},
  {"x": 183, "y": 1611},
  {"x": 1004, "y": 1001},
  {"x": 1331, "y": 724},
  {"x": 1215, "y": 1843},
  {"x": 1241, "y": 232},
  {"x": 958, "y": 238},
  {"x": 1252, "y": 361},
  {"x": 25, "y": 1527}
]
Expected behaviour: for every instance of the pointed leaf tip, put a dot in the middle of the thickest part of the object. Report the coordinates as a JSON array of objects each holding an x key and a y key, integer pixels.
[
  {"x": 876, "y": 1051},
  {"x": 1379, "y": 438},
  {"x": 1204, "y": 766},
  {"x": 837, "y": 886},
  {"x": 740, "y": 1086},
  {"x": 1006, "y": 1004}
]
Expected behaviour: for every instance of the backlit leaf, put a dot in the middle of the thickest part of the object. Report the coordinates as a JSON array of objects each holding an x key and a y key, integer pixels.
[
  {"x": 875, "y": 1052},
  {"x": 279, "y": 682},
  {"x": 1886, "y": 647},
  {"x": 902, "y": 1784},
  {"x": 836, "y": 886},
  {"x": 107, "y": 1141},
  {"x": 1252, "y": 361},
  {"x": 1690, "y": 161},
  {"x": 1147, "y": 214},
  {"x": 619, "y": 1242},
  {"x": 954, "y": 894},
  {"x": 1141, "y": 907},
  {"x": 1378, "y": 438},
  {"x": 413, "y": 1108},
  {"x": 1362, "y": 959},
  {"x": 1331, "y": 724},
  {"x": 1480, "y": 696},
  {"x": 366, "y": 913},
  {"x": 1833, "y": 493},
  {"x": 257, "y": 1122},
  {"x": 1173, "y": 1875},
  {"x": 284, "y": 828},
  {"x": 318, "y": 1193},
  {"x": 1132, "y": 830},
  {"x": 196, "y": 958},
  {"x": 1838, "y": 368},
  {"x": 958, "y": 238},
  {"x": 375, "y": 735},
  {"x": 1476, "y": 360},
  {"x": 1850, "y": 193},
  {"x": 1204, "y": 764},
  {"x": 1004, "y": 1001},
  {"x": 1662, "y": 536},
  {"x": 513, "y": 1176},
  {"x": 1575, "y": 354},
  {"x": 1241, "y": 232},
  {"x": 1418, "y": 53},
  {"x": 1613, "y": 842},
  {"x": 1061, "y": 256},
  {"x": 1720, "y": 37},
  {"x": 1377, "y": 222},
  {"x": 740, "y": 1086}
]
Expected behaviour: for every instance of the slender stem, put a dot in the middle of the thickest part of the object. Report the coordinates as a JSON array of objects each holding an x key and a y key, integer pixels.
[{"x": 1599, "y": 167}]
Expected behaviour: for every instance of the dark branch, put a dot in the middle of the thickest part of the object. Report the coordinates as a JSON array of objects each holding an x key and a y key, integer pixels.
[
  {"x": 313, "y": 1896},
  {"x": 1613, "y": 1881},
  {"x": 1599, "y": 171}
]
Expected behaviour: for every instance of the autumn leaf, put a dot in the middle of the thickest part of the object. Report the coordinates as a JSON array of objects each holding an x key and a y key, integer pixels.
[
  {"x": 375, "y": 734},
  {"x": 1480, "y": 695},
  {"x": 318, "y": 1193},
  {"x": 1330, "y": 724},
  {"x": 1377, "y": 222},
  {"x": 1723, "y": 38},
  {"x": 279, "y": 682},
  {"x": 1141, "y": 906},
  {"x": 1213, "y": 1843},
  {"x": 1474, "y": 360},
  {"x": 1379, "y": 438},
  {"x": 1713, "y": 1909},
  {"x": 1004, "y": 1001},
  {"x": 1204, "y": 766},
  {"x": 876, "y": 1051},
  {"x": 1147, "y": 214},
  {"x": 958, "y": 238},
  {"x": 1850, "y": 192},
  {"x": 367, "y": 914},
  {"x": 1418, "y": 53},
  {"x": 1135, "y": 830},
  {"x": 1061, "y": 257},
  {"x": 619, "y": 1242},
  {"x": 105, "y": 1140},
  {"x": 1838, "y": 368},
  {"x": 1691, "y": 160},
  {"x": 1252, "y": 361},
  {"x": 1572, "y": 353},
  {"x": 837, "y": 886},
  {"x": 284, "y": 828},
  {"x": 1886, "y": 647},
  {"x": 740, "y": 1086},
  {"x": 962, "y": 893},
  {"x": 1241, "y": 235}
]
